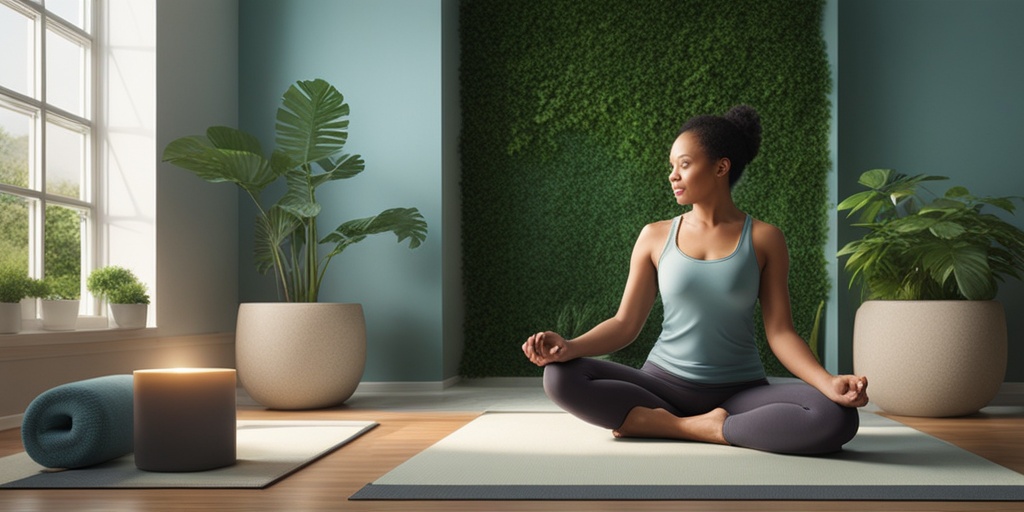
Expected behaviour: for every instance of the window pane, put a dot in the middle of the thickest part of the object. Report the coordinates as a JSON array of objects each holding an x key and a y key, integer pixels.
[
  {"x": 63, "y": 252},
  {"x": 73, "y": 11},
  {"x": 65, "y": 73},
  {"x": 14, "y": 215},
  {"x": 65, "y": 161},
  {"x": 16, "y": 56},
  {"x": 15, "y": 147}
]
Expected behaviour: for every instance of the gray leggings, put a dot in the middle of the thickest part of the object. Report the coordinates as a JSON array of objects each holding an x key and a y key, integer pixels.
[{"x": 781, "y": 418}]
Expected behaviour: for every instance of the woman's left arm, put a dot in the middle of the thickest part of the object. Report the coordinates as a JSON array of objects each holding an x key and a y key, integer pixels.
[{"x": 786, "y": 344}]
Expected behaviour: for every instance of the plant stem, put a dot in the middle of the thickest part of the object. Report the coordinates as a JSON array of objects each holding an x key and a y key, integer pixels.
[{"x": 278, "y": 259}]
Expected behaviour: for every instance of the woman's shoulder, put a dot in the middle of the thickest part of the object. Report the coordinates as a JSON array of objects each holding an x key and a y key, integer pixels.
[
  {"x": 767, "y": 237},
  {"x": 765, "y": 229},
  {"x": 657, "y": 230}
]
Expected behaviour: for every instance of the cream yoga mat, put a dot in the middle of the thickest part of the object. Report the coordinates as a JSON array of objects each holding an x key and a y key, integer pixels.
[
  {"x": 267, "y": 451},
  {"x": 554, "y": 456}
]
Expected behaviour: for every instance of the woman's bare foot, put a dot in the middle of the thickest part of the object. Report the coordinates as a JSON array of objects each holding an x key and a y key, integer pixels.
[{"x": 645, "y": 422}]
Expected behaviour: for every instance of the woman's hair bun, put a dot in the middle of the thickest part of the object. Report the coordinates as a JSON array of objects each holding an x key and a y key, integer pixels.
[{"x": 749, "y": 122}]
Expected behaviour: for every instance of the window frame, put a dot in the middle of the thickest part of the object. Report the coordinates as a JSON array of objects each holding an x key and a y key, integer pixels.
[{"x": 39, "y": 197}]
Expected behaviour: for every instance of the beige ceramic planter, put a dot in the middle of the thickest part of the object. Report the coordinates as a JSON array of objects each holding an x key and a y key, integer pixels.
[
  {"x": 930, "y": 358},
  {"x": 300, "y": 355}
]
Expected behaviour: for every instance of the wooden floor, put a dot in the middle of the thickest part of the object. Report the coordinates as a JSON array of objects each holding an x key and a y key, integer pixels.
[{"x": 327, "y": 484}]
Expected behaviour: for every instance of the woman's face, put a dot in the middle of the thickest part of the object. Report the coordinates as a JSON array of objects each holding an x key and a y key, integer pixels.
[{"x": 694, "y": 175}]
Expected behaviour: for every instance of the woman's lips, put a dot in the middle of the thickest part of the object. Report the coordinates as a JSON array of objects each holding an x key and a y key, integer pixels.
[{"x": 678, "y": 191}]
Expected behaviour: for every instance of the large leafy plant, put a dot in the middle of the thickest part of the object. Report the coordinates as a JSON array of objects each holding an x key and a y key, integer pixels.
[
  {"x": 929, "y": 247},
  {"x": 311, "y": 131}
]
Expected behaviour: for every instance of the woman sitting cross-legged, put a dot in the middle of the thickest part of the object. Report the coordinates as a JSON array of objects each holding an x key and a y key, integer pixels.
[{"x": 704, "y": 380}]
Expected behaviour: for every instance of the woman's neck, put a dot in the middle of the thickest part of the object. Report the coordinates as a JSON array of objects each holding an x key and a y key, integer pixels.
[{"x": 711, "y": 215}]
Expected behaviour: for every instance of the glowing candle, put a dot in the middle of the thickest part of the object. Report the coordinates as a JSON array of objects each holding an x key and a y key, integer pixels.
[{"x": 184, "y": 419}]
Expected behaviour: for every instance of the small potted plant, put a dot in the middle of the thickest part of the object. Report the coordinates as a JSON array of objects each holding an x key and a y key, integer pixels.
[
  {"x": 15, "y": 285},
  {"x": 124, "y": 293},
  {"x": 58, "y": 309},
  {"x": 930, "y": 336}
]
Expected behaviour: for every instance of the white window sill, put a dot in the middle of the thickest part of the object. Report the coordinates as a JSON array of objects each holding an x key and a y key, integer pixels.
[{"x": 89, "y": 329}]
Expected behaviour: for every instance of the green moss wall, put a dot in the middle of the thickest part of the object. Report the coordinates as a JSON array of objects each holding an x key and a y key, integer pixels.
[{"x": 569, "y": 110}]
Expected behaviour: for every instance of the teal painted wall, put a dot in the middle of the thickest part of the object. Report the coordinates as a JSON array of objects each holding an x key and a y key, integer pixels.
[
  {"x": 933, "y": 87},
  {"x": 923, "y": 86},
  {"x": 385, "y": 56}
]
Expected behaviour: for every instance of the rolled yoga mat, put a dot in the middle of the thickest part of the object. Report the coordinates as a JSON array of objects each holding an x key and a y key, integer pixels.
[{"x": 81, "y": 423}]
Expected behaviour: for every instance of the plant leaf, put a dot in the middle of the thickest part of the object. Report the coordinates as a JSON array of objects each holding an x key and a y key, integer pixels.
[
  {"x": 968, "y": 264},
  {"x": 947, "y": 230},
  {"x": 857, "y": 201},
  {"x": 957, "y": 192},
  {"x": 875, "y": 178},
  {"x": 405, "y": 223},
  {"x": 942, "y": 205},
  {"x": 225, "y": 137},
  {"x": 248, "y": 170},
  {"x": 1003, "y": 203},
  {"x": 344, "y": 167},
  {"x": 299, "y": 199},
  {"x": 311, "y": 122},
  {"x": 910, "y": 225},
  {"x": 272, "y": 231}
]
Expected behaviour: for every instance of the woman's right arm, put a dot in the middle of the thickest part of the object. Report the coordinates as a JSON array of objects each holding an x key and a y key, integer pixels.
[{"x": 620, "y": 330}]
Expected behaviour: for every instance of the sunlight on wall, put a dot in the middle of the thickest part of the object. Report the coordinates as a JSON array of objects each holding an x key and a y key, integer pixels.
[{"x": 128, "y": 68}]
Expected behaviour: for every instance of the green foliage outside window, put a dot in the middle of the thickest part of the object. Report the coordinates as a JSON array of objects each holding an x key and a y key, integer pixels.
[
  {"x": 62, "y": 253},
  {"x": 569, "y": 110}
]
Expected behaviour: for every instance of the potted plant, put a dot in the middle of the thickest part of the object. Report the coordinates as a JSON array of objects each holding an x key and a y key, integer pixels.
[
  {"x": 60, "y": 298},
  {"x": 15, "y": 285},
  {"x": 929, "y": 335},
  {"x": 124, "y": 293},
  {"x": 311, "y": 130}
]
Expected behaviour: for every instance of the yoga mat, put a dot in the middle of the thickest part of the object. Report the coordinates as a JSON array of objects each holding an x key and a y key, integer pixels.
[
  {"x": 80, "y": 424},
  {"x": 554, "y": 456},
  {"x": 267, "y": 452}
]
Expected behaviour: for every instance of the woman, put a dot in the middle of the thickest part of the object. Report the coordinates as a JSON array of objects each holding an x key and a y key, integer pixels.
[{"x": 704, "y": 380}]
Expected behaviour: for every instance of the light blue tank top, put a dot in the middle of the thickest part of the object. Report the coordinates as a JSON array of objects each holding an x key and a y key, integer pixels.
[{"x": 708, "y": 331}]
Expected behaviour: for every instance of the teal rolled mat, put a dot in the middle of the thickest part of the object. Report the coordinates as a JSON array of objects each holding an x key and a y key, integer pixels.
[{"x": 80, "y": 424}]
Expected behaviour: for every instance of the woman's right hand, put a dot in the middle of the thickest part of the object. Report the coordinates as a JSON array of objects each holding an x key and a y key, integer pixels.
[{"x": 546, "y": 347}]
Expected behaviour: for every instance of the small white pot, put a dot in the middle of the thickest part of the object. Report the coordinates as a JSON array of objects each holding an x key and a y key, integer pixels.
[
  {"x": 59, "y": 315},
  {"x": 28, "y": 308},
  {"x": 10, "y": 317},
  {"x": 129, "y": 316}
]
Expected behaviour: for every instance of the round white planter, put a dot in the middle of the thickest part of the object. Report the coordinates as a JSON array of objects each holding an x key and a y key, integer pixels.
[
  {"x": 300, "y": 355},
  {"x": 129, "y": 316},
  {"x": 931, "y": 358},
  {"x": 10, "y": 317},
  {"x": 58, "y": 315}
]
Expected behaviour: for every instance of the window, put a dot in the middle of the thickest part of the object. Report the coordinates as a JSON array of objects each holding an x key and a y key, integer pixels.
[{"x": 47, "y": 140}]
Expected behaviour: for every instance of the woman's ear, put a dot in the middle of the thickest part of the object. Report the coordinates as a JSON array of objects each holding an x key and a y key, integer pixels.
[{"x": 723, "y": 166}]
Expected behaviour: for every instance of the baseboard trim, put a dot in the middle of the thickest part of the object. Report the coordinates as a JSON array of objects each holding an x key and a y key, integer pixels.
[
  {"x": 407, "y": 387},
  {"x": 1010, "y": 393},
  {"x": 9, "y": 422}
]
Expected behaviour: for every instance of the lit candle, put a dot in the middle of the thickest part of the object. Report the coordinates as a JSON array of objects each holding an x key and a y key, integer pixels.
[{"x": 184, "y": 419}]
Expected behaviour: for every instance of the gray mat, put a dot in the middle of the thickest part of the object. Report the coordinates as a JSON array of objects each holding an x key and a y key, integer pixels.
[
  {"x": 267, "y": 451},
  {"x": 553, "y": 456}
]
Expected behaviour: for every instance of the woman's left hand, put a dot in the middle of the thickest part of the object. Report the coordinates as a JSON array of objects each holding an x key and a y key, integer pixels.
[{"x": 849, "y": 390}]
